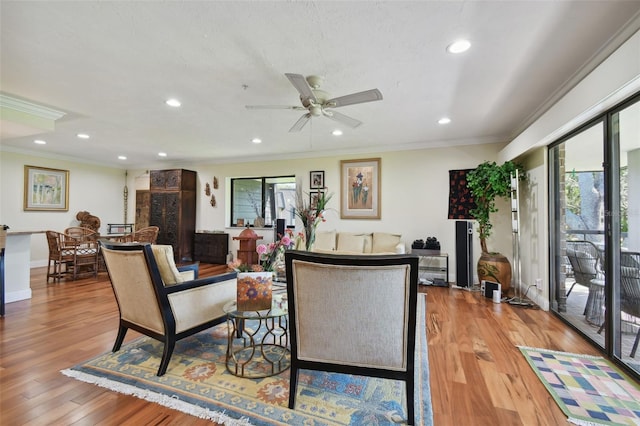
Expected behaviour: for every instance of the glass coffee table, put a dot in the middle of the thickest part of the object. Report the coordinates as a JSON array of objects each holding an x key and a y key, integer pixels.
[{"x": 257, "y": 343}]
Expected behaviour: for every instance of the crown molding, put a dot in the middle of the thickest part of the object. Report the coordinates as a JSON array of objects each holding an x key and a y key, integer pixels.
[{"x": 30, "y": 108}]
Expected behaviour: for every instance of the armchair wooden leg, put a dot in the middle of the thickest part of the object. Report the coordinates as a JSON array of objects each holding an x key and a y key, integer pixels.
[
  {"x": 122, "y": 331},
  {"x": 169, "y": 344},
  {"x": 293, "y": 382},
  {"x": 411, "y": 402}
]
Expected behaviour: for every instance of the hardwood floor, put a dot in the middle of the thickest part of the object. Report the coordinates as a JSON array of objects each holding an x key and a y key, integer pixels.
[{"x": 478, "y": 376}]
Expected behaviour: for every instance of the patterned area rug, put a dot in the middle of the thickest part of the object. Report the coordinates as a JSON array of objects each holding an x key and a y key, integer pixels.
[
  {"x": 198, "y": 383},
  {"x": 588, "y": 389}
]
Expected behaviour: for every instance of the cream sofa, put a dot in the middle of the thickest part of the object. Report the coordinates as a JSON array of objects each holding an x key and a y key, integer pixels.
[{"x": 358, "y": 243}]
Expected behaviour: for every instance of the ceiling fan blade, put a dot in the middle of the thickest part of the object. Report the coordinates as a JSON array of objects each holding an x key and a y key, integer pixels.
[
  {"x": 296, "y": 108},
  {"x": 344, "y": 119},
  {"x": 300, "y": 123},
  {"x": 355, "y": 98},
  {"x": 301, "y": 85}
]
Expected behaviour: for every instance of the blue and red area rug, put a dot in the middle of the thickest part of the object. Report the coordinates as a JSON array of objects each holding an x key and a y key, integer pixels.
[
  {"x": 588, "y": 389},
  {"x": 198, "y": 383}
]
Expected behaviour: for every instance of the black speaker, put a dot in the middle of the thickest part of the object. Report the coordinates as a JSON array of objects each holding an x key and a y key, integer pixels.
[
  {"x": 464, "y": 253},
  {"x": 279, "y": 229}
]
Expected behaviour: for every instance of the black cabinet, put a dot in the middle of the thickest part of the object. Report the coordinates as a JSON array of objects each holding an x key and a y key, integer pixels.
[
  {"x": 173, "y": 210},
  {"x": 211, "y": 247}
]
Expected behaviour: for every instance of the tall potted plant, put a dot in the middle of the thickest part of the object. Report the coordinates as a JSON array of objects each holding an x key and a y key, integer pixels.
[{"x": 488, "y": 182}]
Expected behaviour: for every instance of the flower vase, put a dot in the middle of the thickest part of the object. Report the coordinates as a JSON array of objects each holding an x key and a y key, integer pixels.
[
  {"x": 279, "y": 269},
  {"x": 310, "y": 236},
  {"x": 254, "y": 291}
]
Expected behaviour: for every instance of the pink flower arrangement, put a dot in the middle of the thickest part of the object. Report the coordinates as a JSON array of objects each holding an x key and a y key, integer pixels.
[{"x": 267, "y": 255}]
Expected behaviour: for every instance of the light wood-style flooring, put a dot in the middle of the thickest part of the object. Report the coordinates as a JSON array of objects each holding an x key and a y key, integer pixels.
[{"x": 478, "y": 376}]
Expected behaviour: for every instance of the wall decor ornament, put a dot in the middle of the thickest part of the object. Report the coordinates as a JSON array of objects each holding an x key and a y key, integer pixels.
[
  {"x": 46, "y": 189},
  {"x": 213, "y": 201},
  {"x": 316, "y": 179},
  {"x": 360, "y": 189},
  {"x": 215, "y": 182},
  {"x": 207, "y": 189}
]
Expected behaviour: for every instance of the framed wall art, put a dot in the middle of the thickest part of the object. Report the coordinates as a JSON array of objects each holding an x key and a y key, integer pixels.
[
  {"x": 360, "y": 189},
  {"x": 316, "y": 179},
  {"x": 313, "y": 198},
  {"x": 46, "y": 189}
]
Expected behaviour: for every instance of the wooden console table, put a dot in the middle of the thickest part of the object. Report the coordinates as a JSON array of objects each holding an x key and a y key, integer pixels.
[{"x": 211, "y": 247}]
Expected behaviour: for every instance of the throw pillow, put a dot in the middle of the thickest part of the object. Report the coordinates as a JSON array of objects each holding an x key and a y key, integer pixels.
[
  {"x": 385, "y": 242},
  {"x": 351, "y": 242},
  {"x": 325, "y": 241},
  {"x": 166, "y": 265}
]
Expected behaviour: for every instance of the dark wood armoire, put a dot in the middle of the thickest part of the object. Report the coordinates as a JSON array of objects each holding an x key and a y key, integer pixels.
[{"x": 173, "y": 210}]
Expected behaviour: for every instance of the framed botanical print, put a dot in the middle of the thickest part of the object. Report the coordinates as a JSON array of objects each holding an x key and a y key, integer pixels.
[
  {"x": 316, "y": 179},
  {"x": 360, "y": 189},
  {"x": 46, "y": 189}
]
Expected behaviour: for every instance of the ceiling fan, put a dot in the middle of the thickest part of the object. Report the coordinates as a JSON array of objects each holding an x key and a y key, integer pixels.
[{"x": 317, "y": 102}]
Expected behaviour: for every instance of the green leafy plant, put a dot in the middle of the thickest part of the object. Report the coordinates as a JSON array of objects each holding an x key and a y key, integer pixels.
[{"x": 488, "y": 182}]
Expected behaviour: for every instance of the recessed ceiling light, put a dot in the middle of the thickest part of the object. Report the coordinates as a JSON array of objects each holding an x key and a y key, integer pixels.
[
  {"x": 122, "y": 157},
  {"x": 162, "y": 154},
  {"x": 256, "y": 140},
  {"x": 83, "y": 136},
  {"x": 173, "y": 103},
  {"x": 459, "y": 46},
  {"x": 39, "y": 142},
  {"x": 444, "y": 120},
  {"x": 337, "y": 132}
]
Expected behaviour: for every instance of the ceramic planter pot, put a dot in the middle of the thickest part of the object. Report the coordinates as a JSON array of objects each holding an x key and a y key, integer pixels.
[
  {"x": 495, "y": 267},
  {"x": 254, "y": 291}
]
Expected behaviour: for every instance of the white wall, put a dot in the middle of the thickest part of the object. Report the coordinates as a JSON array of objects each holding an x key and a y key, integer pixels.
[
  {"x": 96, "y": 189},
  {"x": 414, "y": 185}
]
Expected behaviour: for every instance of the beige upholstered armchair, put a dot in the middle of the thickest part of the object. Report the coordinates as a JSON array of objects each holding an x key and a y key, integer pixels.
[
  {"x": 156, "y": 300},
  {"x": 353, "y": 314}
]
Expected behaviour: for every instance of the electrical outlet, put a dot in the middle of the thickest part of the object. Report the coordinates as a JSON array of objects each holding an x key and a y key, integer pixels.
[{"x": 539, "y": 284}]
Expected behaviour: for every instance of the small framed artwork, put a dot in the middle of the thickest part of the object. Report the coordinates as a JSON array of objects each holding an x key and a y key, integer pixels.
[
  {"x": 316, "y": 179},
  {"x": 46, "y": 189},
  {"x": 313, "y": 199},
  {"x": 360, "y": 189}
]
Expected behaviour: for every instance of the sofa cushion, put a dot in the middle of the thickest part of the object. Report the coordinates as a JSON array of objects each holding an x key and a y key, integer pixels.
[
  {"x": 166, "y": 265},
  {"x": 354, "y": 243},
  {"x": 325, "y": 241},
  {"x": 385, "y": 242}
]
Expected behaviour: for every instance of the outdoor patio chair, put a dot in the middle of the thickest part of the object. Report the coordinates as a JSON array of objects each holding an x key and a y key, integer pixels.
[
  {"x": 353, "y": 314},
  {"x": 154, "y": 299},
  {"x": 630, "y": 289},
  {"x": 585, "y": 262}
]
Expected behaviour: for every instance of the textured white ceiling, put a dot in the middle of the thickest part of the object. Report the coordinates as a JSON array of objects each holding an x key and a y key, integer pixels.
[{"x": 111, "y": 65}]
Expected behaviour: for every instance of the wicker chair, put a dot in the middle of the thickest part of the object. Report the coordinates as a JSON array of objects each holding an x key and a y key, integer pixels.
[
  {"x": 353, "y": 314},
  {"x": 71, "y": 257},
  {"x": 585, "y": 262},
  {"x": 82, "y": 234},
  {"x": 630, "y": 289},
  {"x": 143, "y": 235}
]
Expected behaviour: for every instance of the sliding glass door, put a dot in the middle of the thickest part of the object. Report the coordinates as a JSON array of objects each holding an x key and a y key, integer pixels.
[{"x": 595, "y": 231}]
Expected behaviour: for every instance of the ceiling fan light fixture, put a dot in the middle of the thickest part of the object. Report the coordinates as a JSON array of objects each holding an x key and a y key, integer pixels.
[
  {"x": 315, "y": 110},
  {"x": 459, "y": 46}
]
